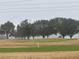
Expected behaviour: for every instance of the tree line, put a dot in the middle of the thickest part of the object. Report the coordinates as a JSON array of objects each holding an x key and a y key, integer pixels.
[{"x": 44, "y": 28}]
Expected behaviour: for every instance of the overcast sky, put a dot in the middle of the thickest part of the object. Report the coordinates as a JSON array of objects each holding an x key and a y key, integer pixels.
[{"x": 19, "y": 10}]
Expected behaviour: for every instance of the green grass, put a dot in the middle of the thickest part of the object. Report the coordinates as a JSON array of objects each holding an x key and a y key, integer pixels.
[
  {"x": 41, "y": 41},
  {"x": 43, "y": 49},
  {"x": 49, "y": 40}
]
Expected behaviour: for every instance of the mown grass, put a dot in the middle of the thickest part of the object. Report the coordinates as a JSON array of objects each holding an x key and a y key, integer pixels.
[
  {"x": 48, "y": 40},
  {"x": 43, "y": 48},
  {"x": 40, "y": 40}
]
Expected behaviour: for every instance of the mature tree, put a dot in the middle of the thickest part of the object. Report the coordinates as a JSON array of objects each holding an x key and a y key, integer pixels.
[
  {"x": 34, "y": 30},
  {"x": 19, "y": 32},
  {"x": 53, "y": 26},
  {"x": 66, "y": 26},
  {"x": 8, "y": 27},
  {"x": 42, "y": 28},
  {"x": 2, "y": 32},
  {"x": 25, "y": 29},
  {"x": 71, "y": 27},
  {"x": 60, "y": 25}
]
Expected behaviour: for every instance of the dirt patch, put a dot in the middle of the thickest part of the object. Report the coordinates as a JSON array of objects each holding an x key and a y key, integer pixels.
[{"x": 40, "y": 55}]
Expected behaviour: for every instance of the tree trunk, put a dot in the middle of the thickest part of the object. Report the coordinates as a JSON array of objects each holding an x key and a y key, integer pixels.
[
  {"x": 43, "y": 36},
  {"x": 7, "y": 36},
  {"x": 71, "y": 36},
  {"x": 33, "y": 37},
  {"x": 28, "y": 37},
  {"x": 63, "y": 36}
]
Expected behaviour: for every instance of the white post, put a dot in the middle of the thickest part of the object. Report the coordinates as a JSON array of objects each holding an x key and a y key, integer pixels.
[{"x": 38, "y": 45}]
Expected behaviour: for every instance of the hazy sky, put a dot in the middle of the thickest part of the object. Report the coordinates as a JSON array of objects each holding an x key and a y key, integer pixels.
[{"x": 19, "y": 10}]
